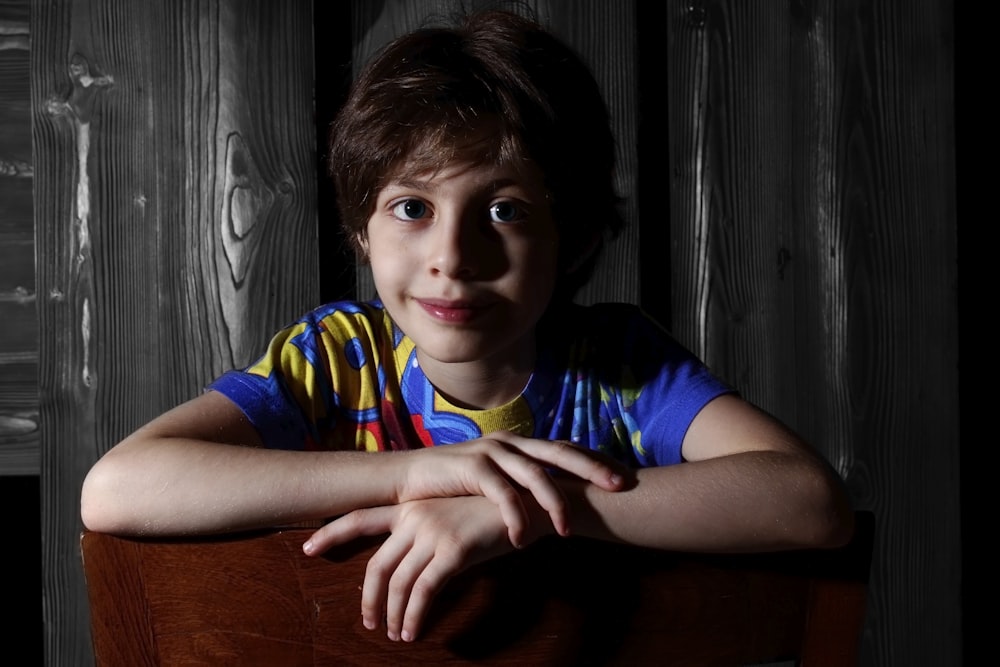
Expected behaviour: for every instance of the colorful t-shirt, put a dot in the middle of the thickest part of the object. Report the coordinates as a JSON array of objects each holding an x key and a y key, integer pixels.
[{"x": 345, "y": 377}]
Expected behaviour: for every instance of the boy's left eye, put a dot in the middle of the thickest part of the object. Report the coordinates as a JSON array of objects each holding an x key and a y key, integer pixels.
[{"x": 504, "y": 211}]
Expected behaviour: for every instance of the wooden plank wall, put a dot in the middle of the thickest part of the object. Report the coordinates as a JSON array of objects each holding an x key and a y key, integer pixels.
[
  {"x": 19, "y": 433},
  {"x": 814, "y": 262},
  {"x": 18, "y": 317},
  {"x": 176, "y": 207},
  {"x": 791, "y": 182}
]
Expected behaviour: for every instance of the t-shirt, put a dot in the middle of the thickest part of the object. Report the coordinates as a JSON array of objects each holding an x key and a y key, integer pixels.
[{"x": 344, "y": 376}]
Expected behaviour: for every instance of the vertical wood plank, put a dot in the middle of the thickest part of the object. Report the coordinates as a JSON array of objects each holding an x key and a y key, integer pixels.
[
  {"x": 814, "y": 262},
  {"x": 18, "y": 315},
  {"x": 175, "y": 208},
  {"x": 603, "y": 33}
]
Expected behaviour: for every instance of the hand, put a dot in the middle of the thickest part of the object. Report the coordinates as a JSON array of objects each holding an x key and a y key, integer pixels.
[
  {"x": 431, "y": 541},
  {"x": 498, "y": 465}
]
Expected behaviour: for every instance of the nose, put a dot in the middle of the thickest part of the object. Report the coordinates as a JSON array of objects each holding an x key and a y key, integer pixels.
[{"x": 457, "y": 246}]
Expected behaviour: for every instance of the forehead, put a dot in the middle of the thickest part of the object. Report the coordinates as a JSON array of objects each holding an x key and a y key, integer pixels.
[
  {"x": 436, "y": 147},
  {"x": 482, "y": 159},
  {"x": 483, "y": 174}
]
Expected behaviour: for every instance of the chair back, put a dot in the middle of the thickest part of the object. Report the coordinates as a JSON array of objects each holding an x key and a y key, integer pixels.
[{"x": 256, "y": 599}]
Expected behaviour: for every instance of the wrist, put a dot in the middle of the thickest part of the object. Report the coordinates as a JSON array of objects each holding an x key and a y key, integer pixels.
[
  {"x": 539, "y": 520},
  {"x": 400, "y": 466}
]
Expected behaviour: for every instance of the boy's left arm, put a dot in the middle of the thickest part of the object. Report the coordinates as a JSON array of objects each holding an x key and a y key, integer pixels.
[{"x": 748, "y": 484}]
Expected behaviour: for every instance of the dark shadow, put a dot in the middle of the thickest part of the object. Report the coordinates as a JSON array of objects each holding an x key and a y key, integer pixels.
[
  {"x": 26, "y": 627},
  {"x": 971, "y": 194},
  {"x": 652, "y": 151},
  {"x": 333, "y": 41}
]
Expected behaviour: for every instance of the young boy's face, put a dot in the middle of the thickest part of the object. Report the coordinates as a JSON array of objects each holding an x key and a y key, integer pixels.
[{"x": 464, "y": 259}]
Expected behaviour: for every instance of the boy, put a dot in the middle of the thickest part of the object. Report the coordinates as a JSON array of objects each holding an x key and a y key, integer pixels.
[{"x": 474, "y": 172}]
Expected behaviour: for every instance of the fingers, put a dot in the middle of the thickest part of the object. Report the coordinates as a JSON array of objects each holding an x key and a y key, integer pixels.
[
  {"x": 579, "y": 461},
  {"x": 378, "y": 573},
  {"x": 401, "y": 581},
  {"x": 408, "y": 570},
  {"x": 390, "y": 573},
  {"x": 497, "y": 487},
  {"x": 359, "y": 523},
  {"x": 500, "y": 467},
  {"x": 429, "y": 542},
  {"x": 514, "y": 466},
  {"x": 431, "y": 580},
  {"x": 524, "y": 460}
]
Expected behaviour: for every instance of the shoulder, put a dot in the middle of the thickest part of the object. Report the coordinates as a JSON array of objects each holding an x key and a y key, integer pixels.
[
  {"x": 615, "y": 337},
  {"x": 610, "y": 324},
  {"x": 613, "y": 355},
  {"x": 342, "y": 320},
  {"x": 611, "y": 315},
  {"x": 328, "y": 332},
  {"x": 345, "y": 312}
]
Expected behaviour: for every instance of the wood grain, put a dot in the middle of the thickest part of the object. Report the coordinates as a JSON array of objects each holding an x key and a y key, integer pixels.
[
  {"x": 258, "y": 600},
  {"x": 814, "y": 267},
  {"x": 175, "y": 183},
  {"x": 19, "y": 449}
]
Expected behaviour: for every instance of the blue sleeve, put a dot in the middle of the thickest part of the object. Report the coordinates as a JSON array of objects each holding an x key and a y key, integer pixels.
[
  {"x": 265, "y": 403},
  {"x": 663, "y": 387},
  {"x": 288, "y": 394}
]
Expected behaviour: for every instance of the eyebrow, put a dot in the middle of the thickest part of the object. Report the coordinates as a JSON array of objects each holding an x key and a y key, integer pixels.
[
  {"x": 409, "y": 184},
  {"x": 428, "y": 186}
]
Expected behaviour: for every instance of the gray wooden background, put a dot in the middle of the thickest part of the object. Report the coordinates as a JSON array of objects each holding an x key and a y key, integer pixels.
[{"x": 790, "y": 175}]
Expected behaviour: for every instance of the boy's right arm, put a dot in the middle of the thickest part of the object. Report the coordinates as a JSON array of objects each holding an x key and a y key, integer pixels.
[{"x": 199, "y": 468}]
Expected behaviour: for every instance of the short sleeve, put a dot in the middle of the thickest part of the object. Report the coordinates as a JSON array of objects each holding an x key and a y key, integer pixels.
[{"x": 322, "y": 369}]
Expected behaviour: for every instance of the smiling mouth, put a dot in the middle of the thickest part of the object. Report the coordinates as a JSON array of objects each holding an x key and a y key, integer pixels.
[{"x": 454, "y": 312}]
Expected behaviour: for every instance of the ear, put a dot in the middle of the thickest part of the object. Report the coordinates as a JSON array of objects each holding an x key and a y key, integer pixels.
[{"x": 361, "y": 244}]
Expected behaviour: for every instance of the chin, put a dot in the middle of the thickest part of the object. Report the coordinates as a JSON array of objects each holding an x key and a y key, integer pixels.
[
  {"x": 452, "y": 354},
  {"x": 465, "y": 347}
]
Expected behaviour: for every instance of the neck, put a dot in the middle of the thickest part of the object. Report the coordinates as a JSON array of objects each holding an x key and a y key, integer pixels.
[{"x": 481, "y": 384}]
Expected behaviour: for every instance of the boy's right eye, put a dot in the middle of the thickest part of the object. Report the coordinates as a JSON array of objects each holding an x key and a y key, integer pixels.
[{"x": 410, "y": 209}]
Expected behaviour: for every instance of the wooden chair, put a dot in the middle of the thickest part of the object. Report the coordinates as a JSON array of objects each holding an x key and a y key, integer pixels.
[{"x": 255, "y": 599}]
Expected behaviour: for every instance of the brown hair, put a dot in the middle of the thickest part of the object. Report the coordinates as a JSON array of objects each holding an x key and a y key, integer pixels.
[{"x": 495, "y": 87}]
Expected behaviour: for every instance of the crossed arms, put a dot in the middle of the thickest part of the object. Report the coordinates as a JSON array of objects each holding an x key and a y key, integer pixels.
[{"x": 748, "y": 484}]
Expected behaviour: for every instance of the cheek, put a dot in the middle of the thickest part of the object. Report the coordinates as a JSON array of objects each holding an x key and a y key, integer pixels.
[
  {"x": 378, "y": 263},
  {"x": 382, "y": 249},
  {"x": 383, "y": 271},
  {"x": 544, "y": 258},
  {"x": 538, "y": 275}
]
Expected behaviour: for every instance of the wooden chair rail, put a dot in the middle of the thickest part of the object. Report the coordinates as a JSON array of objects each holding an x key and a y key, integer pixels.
[{"x": 255, "y": 599}]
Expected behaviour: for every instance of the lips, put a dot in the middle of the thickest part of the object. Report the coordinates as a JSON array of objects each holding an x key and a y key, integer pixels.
[{"x": 454, "y": 312}]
